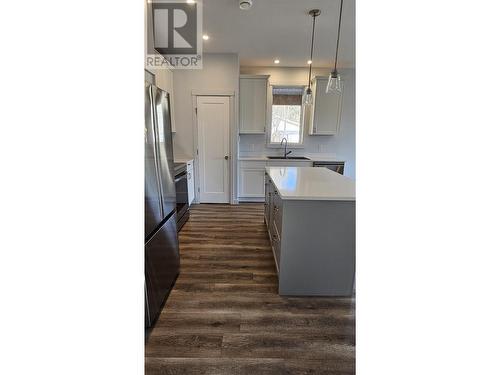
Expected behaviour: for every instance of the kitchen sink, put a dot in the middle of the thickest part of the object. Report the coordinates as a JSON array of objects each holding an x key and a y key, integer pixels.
[{"x": 288, "y": 158}]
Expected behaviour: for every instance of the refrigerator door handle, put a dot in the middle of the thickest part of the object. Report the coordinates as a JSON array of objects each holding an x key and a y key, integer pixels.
[
  {"x": 148, "y": 313},
  {"x": 165, "y": 150},
  {"x": 155, "y": 148}
]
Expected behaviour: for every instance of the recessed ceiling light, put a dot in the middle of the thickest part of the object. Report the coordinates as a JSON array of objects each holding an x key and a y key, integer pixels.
[
  {"x": 309, "y": 62},
  {"x": 190, "y": 1},
  {"x": 205, "y": 37},
  {"x": 277, "y": 61},
  {"x": 245, "y": 4}
]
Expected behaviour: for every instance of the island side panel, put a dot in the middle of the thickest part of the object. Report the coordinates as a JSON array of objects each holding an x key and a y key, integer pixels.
[{"x": 317, "y": 248}]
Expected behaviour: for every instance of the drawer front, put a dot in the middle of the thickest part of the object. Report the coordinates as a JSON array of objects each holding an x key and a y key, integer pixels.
[
  {"x": 276, "y": 245},
  {"x": 277, "y": 211},
  {"x": 267, "y": 204},
  {"x": 271, "y": 195}
]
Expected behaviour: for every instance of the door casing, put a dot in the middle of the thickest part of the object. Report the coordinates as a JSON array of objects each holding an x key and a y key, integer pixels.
[{"x": 233, "y": 140}]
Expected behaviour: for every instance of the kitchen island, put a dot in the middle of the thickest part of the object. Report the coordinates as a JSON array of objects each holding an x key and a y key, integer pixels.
[{"x": 310, "y": 217}]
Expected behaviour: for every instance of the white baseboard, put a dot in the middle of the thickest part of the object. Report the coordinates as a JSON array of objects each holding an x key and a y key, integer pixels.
[{"x": 252, "y": 199}]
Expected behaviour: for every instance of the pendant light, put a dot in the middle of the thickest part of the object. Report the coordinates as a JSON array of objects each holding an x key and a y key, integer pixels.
[
  {"x": 309, "y": 97},
  {"x": 334, "y": 84}
]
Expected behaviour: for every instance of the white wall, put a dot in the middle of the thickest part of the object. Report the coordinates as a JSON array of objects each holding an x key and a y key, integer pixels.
[
  {"x": 342, "y": 145},
  {"x": 220, "y": 72}
]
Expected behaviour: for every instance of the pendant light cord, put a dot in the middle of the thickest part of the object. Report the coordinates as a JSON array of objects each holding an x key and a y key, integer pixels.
[
  {"x": 312, "y": 47},
  {"x": 338, "y": 36}
]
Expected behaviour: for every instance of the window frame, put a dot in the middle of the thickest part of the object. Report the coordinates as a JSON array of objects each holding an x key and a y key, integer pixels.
[{"x": 270, "y": 144}]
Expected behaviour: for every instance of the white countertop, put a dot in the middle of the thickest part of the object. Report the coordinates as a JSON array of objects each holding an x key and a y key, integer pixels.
[
  {"x": 312, "y": 183},
  {"x": 182, "y": 159},
  {"x": 311, "y": 158}
]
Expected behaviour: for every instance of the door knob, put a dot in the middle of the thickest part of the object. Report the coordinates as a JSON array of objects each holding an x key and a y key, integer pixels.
[{"x": 226, "y": 157}]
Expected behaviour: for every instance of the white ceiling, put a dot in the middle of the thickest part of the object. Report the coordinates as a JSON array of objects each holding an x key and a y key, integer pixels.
[{"x": 279, "y": 29}]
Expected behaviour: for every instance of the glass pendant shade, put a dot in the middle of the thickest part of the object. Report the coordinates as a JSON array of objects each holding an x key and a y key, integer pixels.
[
  {"x": 334, "y": 83},
  {"x": 308, "y": 100}
]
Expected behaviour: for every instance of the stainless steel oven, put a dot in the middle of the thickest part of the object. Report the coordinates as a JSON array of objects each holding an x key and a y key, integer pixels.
[{"x": 181, "y": 191}]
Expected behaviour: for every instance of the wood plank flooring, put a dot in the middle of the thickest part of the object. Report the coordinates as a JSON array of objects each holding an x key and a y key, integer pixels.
[{"x": 224, "y": 315}]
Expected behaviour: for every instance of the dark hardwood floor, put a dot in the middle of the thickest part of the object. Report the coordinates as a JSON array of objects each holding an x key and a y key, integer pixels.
[{"x": 224, "y": 315}]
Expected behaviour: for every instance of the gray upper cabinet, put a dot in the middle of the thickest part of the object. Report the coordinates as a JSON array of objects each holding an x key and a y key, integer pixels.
[
  {"x": 253, "y": 103},
  {"x": 326, "y": 111}
]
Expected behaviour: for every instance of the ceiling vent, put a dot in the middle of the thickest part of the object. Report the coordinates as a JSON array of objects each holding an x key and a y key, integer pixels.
[{"x": 245, "y": 4}]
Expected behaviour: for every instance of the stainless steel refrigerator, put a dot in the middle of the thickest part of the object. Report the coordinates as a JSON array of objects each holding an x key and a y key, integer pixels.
[{"x": 161, "y": 250}]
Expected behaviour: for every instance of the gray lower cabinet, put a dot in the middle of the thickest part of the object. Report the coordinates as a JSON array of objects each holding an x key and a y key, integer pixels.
[
  {"x": 277, "y": 212},
  {"x": 271, "y": 207},
  {"x": 276, "y": 245},
  {"x": 267, "y": 197},
  {"x": 313, "y": 244}
]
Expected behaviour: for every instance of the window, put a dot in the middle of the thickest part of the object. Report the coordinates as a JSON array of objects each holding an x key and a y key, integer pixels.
[{"x": 287, "y": 116}]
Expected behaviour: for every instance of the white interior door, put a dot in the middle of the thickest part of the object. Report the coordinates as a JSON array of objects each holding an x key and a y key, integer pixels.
[{"x": 213, "y": 148}]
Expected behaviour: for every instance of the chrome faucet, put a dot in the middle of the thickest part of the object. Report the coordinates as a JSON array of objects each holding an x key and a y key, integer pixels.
[{"x": 286, "y": 144}]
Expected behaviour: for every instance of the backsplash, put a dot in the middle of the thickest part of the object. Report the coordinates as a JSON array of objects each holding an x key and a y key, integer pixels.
[{"x": 256, "y": 145}]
